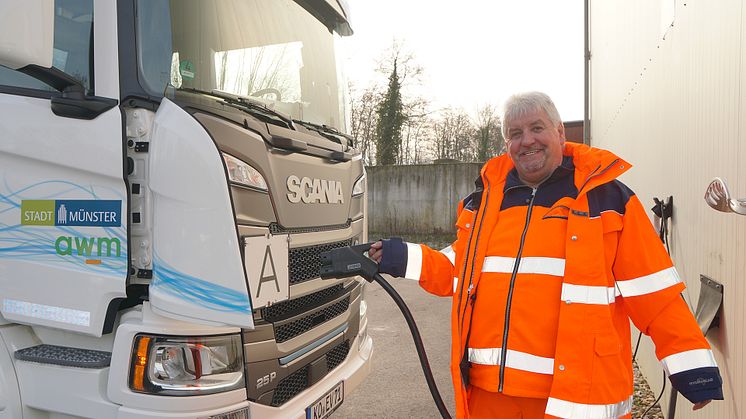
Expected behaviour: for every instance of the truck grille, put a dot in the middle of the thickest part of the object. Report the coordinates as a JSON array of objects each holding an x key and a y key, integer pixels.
[
  {"x": 337, "y": 355},
  {"x": 298, "y": 381},
  {"x": 296, "y": 306},
  {"x": 290, "y": 330},
  {"x": 305, "y": 262},
  {"x": 276, "y": 228}
]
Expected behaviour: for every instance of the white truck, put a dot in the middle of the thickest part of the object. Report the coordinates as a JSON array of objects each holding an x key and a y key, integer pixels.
[{"x": 169, "y": 173}]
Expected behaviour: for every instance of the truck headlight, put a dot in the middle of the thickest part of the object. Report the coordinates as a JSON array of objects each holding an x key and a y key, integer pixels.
[
  {"x": 186, "y": 366},
  {"x": 359, "y": 187},
  {"x": 243, "y": 174}
]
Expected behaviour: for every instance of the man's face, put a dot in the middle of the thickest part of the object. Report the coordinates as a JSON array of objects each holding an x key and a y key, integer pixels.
[{"x": 535, "y": 146}]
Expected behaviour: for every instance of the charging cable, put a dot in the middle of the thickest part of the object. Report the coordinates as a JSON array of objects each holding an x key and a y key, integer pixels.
[{"x": 351, "y": 261}]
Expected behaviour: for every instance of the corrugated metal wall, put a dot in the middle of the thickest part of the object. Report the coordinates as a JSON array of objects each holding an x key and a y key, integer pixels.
[{"x": 672, "y": 106}]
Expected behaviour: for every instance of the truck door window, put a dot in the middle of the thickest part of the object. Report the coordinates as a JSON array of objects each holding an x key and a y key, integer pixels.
[{"x": 73, "y": 47}]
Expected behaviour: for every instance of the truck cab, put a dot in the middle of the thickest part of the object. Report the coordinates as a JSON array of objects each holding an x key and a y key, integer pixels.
[{"x": 170, "y": 172}]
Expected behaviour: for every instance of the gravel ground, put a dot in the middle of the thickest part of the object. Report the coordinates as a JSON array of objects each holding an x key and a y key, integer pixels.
[{"x": 643, "y": 396}]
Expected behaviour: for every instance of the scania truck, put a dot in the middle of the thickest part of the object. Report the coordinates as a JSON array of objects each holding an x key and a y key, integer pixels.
[{"x": 170, "y": 172}]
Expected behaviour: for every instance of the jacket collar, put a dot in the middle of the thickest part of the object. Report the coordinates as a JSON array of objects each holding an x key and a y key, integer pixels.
[
  {"x": 566, "y": 168},
  {"x": 593, "y": 167}
]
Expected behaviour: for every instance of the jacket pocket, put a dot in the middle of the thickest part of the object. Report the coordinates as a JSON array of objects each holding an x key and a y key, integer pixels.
[
  {"x": 611, "y": 375},
  {"x": 612, "y": 222},
  {"x": 464, "y": 224},
  {"x": 607, "y": 344}
]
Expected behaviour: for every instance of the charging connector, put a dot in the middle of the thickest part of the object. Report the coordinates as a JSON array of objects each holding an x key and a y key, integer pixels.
[
  {"x": 351, "y": 261},
  {"x": 348, "y": 261}
]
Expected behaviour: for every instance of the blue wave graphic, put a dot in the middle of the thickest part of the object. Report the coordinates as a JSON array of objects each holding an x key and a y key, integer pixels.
[
  {"x": 198, "y": 291},
  {"x": 37, "y": 244}
]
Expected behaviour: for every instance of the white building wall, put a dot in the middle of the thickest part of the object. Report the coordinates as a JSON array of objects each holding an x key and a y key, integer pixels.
[{"x": 672, "y": 101}]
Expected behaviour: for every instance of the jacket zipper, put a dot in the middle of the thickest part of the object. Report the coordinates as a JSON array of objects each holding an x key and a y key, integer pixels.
[
  {"x": 516, "y": 265},
  {"x": 483, "y": 208},
  {"x": 470, "y": 299}
]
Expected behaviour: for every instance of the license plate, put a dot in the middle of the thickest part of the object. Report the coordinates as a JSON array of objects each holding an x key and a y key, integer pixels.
[{"x": 328, "y": 403}]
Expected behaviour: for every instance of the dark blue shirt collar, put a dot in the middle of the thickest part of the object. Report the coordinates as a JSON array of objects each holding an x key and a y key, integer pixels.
[{"x": 566, "y": 168}]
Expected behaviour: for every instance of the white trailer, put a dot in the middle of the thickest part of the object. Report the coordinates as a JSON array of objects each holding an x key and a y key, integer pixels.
[{"x": 666, "y": 93}]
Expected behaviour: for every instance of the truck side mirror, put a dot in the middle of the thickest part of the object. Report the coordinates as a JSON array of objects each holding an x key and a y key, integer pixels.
[{"x": 26, "y": 33}]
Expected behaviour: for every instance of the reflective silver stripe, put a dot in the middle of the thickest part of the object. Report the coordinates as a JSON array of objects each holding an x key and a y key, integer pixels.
[
  {"x": 689, "y": 360},
  {"x": 585, "y": 294},
  {"x": 529, "y": 265},
  {"x": 414, "y": 261},
  {"x": 455, "y": 283},
  {"x": 514, "y": 359},
  {"x": 649, "y": 283},
  {"x": 450, "y": 254},
  {"x": 570, "y": 410}
]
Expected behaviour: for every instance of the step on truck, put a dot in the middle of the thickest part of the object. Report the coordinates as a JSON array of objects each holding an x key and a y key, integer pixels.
[{"x": 169, "y": 173}]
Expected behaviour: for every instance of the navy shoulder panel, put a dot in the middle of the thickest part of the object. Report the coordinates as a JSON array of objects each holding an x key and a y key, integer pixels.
[
  {"x": 612, "y": 196},
  {"x": 473, "y": 201}
]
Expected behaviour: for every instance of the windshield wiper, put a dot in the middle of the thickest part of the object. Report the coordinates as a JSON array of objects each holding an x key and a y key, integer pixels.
[
  {"x": 327, "y": 132},
  {"x": 253, "y": 107}
]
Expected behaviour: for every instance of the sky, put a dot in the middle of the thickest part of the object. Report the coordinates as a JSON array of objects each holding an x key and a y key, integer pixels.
[{"x": 476, "y": 52}]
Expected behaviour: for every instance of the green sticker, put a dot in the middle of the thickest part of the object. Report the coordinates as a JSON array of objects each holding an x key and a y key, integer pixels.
[
  {"x": 37, "y": 212},
  {"x": 186, "y": 68}
]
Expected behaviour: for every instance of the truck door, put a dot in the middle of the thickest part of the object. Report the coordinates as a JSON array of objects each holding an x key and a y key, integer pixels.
[{"x": 63, "y": 198}]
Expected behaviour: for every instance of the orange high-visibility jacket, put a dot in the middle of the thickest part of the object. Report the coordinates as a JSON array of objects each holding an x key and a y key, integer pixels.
[{"x": 610, "y": 267}]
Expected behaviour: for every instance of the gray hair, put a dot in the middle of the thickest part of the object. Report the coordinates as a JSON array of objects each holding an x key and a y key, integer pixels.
[{"x": 522, "y": 103}]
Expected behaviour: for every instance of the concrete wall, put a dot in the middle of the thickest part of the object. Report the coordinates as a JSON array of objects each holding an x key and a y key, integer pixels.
[{"x": 419, "y": 199}]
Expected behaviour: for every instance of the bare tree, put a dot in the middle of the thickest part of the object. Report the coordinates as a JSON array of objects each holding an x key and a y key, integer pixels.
[
  {"x": 415, "y": 131},
  {"x": 453, "y": 135},
  {"x": 408, "y": 70},
  {"x": 488, "y": 136},
  {"x": 364, "y": 119}
]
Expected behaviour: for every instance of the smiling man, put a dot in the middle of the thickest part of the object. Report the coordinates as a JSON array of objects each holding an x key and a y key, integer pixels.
[
  {"x": 553, "y": 258},
  {"x": 535, "y": 140}
]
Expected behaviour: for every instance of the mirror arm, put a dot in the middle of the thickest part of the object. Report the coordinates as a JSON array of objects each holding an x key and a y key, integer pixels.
[
  {"x": 52, "y": 76},
  {"x": 74, "y": 102}
]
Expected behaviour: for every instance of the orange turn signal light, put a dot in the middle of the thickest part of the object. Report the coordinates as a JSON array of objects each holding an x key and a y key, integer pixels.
[{"x": 140, "y": 363}]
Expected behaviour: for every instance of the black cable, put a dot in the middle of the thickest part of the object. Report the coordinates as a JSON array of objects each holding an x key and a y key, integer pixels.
[
  {"x": 637, "y": 346},
  {"x": 349, "y": 261},
  {"x": 658, "y": 399},
  {"x": 418, "y": 343}
]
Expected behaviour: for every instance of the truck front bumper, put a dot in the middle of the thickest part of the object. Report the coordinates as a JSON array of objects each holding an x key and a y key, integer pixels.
[{"x": 352, "y": 372}]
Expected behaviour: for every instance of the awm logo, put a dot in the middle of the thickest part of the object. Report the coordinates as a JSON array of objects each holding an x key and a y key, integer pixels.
[{"x": 96, "y": 247}]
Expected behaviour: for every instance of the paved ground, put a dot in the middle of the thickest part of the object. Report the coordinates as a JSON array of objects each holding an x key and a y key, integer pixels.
[{"x": 396, "y": 387}]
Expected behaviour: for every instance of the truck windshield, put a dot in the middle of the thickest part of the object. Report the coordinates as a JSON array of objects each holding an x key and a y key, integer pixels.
[{"x": 273, "y": 51}]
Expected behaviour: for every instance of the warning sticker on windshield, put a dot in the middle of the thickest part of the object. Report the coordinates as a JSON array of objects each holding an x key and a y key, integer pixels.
[{"x": 186, "y": 69}]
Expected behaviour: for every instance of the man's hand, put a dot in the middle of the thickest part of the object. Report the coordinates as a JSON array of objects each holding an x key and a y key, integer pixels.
[
  {"x": 700, "y": 405},
  {"x": 376, "y": 251},
  {"x": 394, "y": 261}
]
